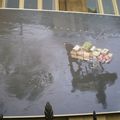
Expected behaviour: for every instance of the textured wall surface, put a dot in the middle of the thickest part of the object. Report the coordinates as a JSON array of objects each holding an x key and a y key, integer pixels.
[
  {"x": 0, "y": 3},
  {"x": 73, "y": 5}
]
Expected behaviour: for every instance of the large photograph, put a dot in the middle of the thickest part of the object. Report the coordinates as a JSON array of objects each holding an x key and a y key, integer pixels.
[{"x": 70, "y": 60}]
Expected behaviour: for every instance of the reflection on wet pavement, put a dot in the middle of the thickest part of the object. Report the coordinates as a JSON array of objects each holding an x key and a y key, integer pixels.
[
  {"x": 20, "y": 67},
  {"x": 28, "y": 84},
  {"x": 88, "y": 79},
  {"x": 23, "y": 75}
]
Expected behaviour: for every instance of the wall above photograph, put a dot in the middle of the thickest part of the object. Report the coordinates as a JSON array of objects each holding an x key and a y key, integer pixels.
[{"x": 110, "y": 7}]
